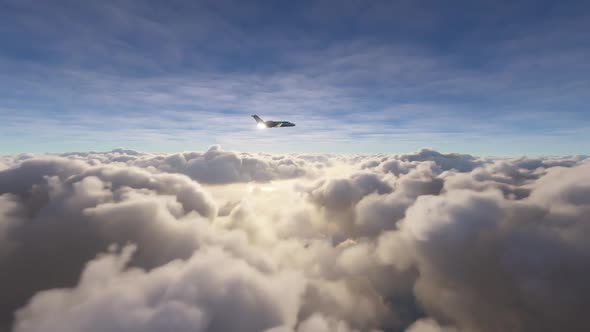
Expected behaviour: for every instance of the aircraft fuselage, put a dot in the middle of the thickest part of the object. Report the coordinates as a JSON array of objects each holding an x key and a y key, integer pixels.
[
  {"x": 275, "y": 124},
  {"x": 272, "y": 124}
]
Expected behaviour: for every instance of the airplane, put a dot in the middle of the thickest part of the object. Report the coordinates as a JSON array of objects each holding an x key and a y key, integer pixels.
[{"x": 272, "y": 124}]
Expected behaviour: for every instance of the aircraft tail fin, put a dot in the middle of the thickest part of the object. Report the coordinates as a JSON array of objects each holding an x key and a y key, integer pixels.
[{"x": 257, "y": 118}]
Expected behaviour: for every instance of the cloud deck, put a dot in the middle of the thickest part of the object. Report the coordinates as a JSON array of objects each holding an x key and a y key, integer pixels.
[{"x": 130, "y": 241}]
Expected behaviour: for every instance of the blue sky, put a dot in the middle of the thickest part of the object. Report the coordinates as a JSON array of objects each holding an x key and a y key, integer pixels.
[{"x": 479, "y": 77}]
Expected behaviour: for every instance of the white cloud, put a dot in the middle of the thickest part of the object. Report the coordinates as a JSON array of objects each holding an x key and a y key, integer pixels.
[
  {"x": 220, "y": 241},
  {"x": 210, "y": 291},
  {"x": 216, "y": 166}
]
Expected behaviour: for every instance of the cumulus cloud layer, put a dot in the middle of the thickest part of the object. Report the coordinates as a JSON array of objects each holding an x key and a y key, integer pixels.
[
  {"x": 214, "y": 166},
  {"x": 227, "y": 241}
]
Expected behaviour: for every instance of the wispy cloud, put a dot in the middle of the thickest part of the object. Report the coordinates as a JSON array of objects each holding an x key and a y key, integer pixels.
[{"x": 147, "y": 76}]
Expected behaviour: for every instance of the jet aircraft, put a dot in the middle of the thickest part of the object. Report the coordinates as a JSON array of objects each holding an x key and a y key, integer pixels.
[{"x": 272, "y": 124}]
